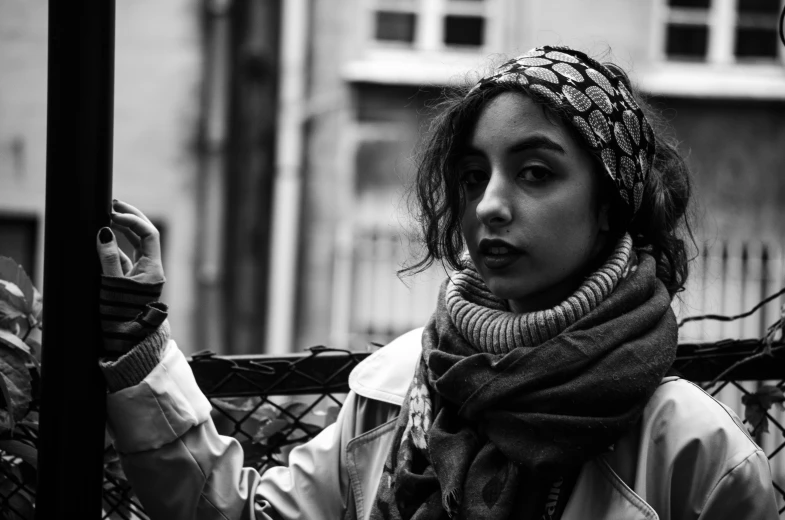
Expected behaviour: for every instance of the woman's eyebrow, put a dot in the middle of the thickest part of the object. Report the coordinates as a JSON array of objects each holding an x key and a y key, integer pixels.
[{"x": 535, "y": 142}]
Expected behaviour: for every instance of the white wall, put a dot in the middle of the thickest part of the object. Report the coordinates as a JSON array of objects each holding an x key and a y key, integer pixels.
[{"x": 157, "y": 79}]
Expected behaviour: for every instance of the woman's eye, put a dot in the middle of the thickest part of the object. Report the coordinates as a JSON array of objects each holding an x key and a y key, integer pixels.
[
  {"x": 471, "y": 178},
  {"x": 535, "y": 174}
]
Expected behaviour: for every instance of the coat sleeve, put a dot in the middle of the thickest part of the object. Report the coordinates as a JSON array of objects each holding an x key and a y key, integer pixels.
[
  {"x": 181, "y": 468},
  {"x": 744, "y": 493},
  {"x": 698, "y": 462}
]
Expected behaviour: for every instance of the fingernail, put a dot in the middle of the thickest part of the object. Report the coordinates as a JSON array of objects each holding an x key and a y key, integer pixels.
[
  {"x": 105, "y": 235},
  {"x": 114, "y": 201}
]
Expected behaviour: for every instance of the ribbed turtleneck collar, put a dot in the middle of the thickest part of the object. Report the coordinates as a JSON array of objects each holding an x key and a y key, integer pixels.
[{"x": 484, "y": 321}]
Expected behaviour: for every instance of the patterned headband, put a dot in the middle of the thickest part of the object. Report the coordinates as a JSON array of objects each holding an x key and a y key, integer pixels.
[{"x": 596, "y": 102}]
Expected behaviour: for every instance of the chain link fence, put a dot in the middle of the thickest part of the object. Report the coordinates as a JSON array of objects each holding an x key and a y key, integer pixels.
[{"x": 272, "y": 404}]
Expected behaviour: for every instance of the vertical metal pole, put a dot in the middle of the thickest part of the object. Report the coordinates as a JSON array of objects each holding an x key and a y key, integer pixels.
[{"x": 78, "y": 194}]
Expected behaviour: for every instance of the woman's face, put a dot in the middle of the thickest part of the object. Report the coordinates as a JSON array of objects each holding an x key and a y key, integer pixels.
[{"x": 532, "y": 222}]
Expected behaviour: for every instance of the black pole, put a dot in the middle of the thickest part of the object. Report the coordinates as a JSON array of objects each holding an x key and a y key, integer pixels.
[{"x": 78, "y": 193}]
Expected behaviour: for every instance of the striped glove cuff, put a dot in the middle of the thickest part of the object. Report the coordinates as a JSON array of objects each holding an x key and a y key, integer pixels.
[
  {"x": 129, "y": 313},
  {"x": 131, "y": 368}
]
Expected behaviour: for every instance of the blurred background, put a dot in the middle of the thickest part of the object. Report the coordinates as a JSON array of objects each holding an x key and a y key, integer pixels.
[{"x": 271, "y": 142}]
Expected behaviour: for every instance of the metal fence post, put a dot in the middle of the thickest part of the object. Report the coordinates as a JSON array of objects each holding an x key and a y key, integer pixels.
[{"x": 78, "y": 193}]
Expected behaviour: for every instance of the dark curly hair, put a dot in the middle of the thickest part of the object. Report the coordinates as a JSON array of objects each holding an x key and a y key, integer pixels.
[{"x": 661, "y": 224}]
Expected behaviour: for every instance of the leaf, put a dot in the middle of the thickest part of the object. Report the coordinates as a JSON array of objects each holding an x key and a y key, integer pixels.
[
  {"x": 13, "y": 341},
  {"x": 16, "y": 500},
  {"x": 30, "y": 420},
  {"x": 296, "y": 408},
  {"x": 12, "y": 302},
  {"x": 112, "y": 464},
  {"x": 332, "y": 415},
  {"x": 11, "y": 291},
  {"x": 115, "y": 469},
  {"x": 255, "y": 454},
  {"x": 19, "y": 449},
  {"x": 236, "y": 404},
  {"x": 9, "y": 312},
  {"x": 14, "y": 273},
  {"x": 757, "y": 404},
  {"x": 16, "y": 382},
  {"x": 37, "y": 307},
  {"x": 34, "y": 342},
  {"x": 771, "y": 395},
  {"x": 239, "y": 407},
  {"x": 270, "y": 429},
  {"x": 6, "y": 420}
]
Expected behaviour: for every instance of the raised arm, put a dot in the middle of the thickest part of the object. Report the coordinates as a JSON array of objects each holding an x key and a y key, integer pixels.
[
  {"x": 177, "y": 463},
  {"x": 181, "y": 468}
]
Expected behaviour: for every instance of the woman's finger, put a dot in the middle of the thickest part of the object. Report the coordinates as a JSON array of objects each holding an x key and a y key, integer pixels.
[
  {"x": 149, "y": 239},
  {"x": 125, "y": 262},
  {"x": 132, "y": 238},
  {"x": 108, "y": 253},
  {"x": 123, "y": 207}
]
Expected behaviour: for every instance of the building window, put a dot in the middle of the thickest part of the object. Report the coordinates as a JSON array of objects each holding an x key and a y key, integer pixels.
[
  {"x": 18, "y": 237},
  {"x": 431, "y": 24},
  {"x": 756, "y": 29},
  {"x": 464, "y": 30},
  {"x": 687, "y": 41},
  {"x": 395, "y": 26},
  {"x": 721, "y": 31}
]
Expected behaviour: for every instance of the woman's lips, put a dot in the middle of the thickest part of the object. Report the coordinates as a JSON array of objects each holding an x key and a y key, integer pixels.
[
  {"x": 498, "y": 254},
  {"x": 499, "y": 260}
]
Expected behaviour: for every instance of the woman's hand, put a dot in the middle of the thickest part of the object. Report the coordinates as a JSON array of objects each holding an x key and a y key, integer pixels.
[{"x": 146, "y": 266}]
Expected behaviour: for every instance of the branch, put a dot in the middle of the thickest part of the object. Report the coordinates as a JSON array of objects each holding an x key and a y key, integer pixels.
[{"x": 763, "y": 353}]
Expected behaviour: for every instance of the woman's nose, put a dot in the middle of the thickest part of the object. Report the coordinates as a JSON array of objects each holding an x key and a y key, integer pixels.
[{"x": 494, "y": 209}]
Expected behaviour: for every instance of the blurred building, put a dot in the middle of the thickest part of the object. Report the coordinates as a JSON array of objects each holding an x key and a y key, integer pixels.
[
  {"x": 713, "y": 67},
  {"x": 158, "y": 74},
  {"x": 272, "y": 140}
]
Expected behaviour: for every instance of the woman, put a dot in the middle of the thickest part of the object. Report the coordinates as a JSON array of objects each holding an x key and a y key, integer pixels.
[{"x": 539, "y": 389}]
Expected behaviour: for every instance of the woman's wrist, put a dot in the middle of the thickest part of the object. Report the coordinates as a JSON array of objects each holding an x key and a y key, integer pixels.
[
  {"x": 130, "y": 312},
  {"x": 133, "y": 367}
]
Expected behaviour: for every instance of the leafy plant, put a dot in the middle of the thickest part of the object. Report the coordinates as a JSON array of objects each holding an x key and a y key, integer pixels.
[
  {"x": 756, "y": 406},
  {"x": 21, "y": 308},
  {"x": 266, "y": 430}
]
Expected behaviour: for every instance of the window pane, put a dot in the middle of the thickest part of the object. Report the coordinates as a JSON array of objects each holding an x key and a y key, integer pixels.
[
  {"x": 17, "y": 240},
  {"x": 380, "y": 165},
  {"x": 689, "y": 3},
  {"x": 464, "y": 30},
  {"x": 395, "y": 26},
  {"x": 759, "y": 6},
  {"x": 687, "y": 41},
  {"x": 756, "y": 43}
]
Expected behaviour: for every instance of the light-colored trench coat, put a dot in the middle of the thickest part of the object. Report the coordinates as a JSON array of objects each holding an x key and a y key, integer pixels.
[{"x": 690, "y": 458}]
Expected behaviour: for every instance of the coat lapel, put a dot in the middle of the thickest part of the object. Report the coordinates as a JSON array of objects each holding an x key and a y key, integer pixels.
[{"x": 600, "y": 494}]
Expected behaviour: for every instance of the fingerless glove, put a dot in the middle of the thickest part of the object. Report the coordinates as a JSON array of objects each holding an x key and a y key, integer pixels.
[{"x": 134, "y": 327}]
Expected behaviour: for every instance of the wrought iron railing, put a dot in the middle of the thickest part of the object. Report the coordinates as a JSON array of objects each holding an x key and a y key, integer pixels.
[{"x": 271, "y": 404}]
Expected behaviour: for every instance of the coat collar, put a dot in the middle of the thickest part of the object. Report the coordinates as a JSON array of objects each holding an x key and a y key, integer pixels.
[{"x": 386, "y": 374}]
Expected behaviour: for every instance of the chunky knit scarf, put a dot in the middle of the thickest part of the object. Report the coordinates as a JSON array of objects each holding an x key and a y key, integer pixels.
[
  {"x": 485, "y": 322},
  {"x": 505, "y": 408}
]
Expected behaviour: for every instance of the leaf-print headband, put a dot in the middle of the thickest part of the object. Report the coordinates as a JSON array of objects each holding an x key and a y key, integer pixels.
[{"x": 596, "y": 102}]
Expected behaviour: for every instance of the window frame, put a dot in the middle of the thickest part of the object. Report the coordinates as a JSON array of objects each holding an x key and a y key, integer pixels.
[
  {"x": 429, "y": 23},
  {"x": 721, "y": 18},
  {"x": 33, "y": 224}
]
